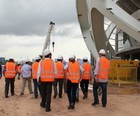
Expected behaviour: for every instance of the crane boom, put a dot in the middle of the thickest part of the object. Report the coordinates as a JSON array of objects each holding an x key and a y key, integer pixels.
[{"x": 47, "y": 40}]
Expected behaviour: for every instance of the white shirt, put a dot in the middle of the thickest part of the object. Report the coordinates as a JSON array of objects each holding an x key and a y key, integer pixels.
[
  {"x": 39, "y": 70},
  {"x": 26, "y": 71},
  {"x": 97, "y": 71},
  {"x": 97, "y": 67},
  {"x": 81, "y": 68}
]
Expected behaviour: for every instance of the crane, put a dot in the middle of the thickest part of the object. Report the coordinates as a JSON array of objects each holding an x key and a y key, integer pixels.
[{"x": 47, "y": 40}]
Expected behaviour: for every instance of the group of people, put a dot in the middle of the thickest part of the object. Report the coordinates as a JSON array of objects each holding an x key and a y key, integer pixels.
[{"x": 47, "y": 74}]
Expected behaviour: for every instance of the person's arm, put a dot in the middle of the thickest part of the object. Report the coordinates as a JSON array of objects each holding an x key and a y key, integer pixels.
[
  {"x": 38, "y": 72},
  {"x": 81, "y": 72},
  {"x": 4, "y": 69},
  {"x": 96, "y": 69}
]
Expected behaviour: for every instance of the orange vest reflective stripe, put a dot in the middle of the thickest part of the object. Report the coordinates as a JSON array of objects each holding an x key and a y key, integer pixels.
[
  {"x": 10, "y": 70},
  {"x": 74, "y": 72},
  {"x": 60, "y": 70},
  {"x": 87, "y": 70},
  {"x": 47, "y": 70},
  {"x": 19, "y": 69},
  {"x": 34, "y": 70},
  {"x": 103, "y": 68}
]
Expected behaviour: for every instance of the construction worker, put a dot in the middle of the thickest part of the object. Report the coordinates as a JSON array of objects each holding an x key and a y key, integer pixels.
[
  {"x": 86, "y": 77},
  {"x": 26, "y": 76},
  {"x": 34, "y": 76},
  {"x": 101, "y": 78},
  {"x": 46, "y": 74},
  {"x": 59, "y": 78},
  {"x": 9, "y": 72},
  {"x": 77, "y": 91},
  {"x": 73, "y": 78},
  {"x": 18, "y": 70}
]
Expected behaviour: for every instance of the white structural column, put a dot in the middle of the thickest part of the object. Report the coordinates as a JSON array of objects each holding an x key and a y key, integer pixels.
[{"x": 91, "y": 18}]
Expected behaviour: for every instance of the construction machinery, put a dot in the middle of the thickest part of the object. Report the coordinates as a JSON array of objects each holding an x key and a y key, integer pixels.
[{"x": 48, "y": 38}]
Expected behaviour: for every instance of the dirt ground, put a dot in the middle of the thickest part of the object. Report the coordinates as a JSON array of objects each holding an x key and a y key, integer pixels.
[{"x": 123, "y": 101}]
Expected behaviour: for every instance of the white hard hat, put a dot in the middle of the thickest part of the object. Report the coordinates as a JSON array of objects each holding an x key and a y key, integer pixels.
[
  {"x": 102, "y": 51},
  {"x": 46, "y": 52},
  {"x": 85, "y": 58},
  {"x": 60, "y": 57},
  {"x": 72, "y": 57},
  {"x": 37, "y": 58},
  {"x": 27, "y": 60}
]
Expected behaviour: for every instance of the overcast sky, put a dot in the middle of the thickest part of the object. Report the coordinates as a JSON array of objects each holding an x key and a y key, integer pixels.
[{"x": 24, "y": 25}]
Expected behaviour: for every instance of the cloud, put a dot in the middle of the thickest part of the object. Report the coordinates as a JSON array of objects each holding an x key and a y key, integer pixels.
[
  {"x": 29, "y": 17},
  {"x": 24, "y": 26}
]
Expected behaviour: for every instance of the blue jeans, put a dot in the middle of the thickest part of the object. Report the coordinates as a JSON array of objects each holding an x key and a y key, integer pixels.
[
  {"x": 36, "y": 88},
  {"x": 103, "y": 86}
]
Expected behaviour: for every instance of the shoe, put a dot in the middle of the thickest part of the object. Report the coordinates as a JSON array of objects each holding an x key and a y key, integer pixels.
[
  {"x": 69, "y": 107},
  {"x": 84, "y": 97},
  {"x": 54, "y": 96},
  {"x": 60, "y": 96},
  {"x": 77, "y": 99},
  {"x": 103, "y": 105},
  {"x": 21, "y": 94},
  {"x": 31, "y": 92},
  {"x": 72, "y": 106},
  {"x": 48, "y": 110},
  {"x": 6, "y": 96},
  {"x": 95, "y": 103},
  {"x": 36, "y": 97},
  {"x": 12, "y": 94},
  {"x": 41, "y": 105}
]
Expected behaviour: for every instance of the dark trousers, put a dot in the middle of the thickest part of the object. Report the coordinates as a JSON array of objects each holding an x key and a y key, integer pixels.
[
  {"x": 60, "y": 82},
  {"x": 9, "y": 81},
  {"x": 71, "y": 92},
  {"x": 18, "y": 75},
  {"x": 36, "y": 88},
  {"x": 46, "y": 89},
  {"x": 103, "y": 86},
  {"x": 84, "y": 86}
]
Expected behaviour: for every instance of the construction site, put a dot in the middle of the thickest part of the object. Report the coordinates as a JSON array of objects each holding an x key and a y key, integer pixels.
[{"x": 112, "y": 25}]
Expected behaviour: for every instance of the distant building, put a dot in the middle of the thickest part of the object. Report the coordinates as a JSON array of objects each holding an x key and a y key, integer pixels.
[{"x": 2, "y": 60}]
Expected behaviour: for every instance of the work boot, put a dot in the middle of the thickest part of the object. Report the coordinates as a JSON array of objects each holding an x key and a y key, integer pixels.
[
  {"x": 42, "y": 105},
  {"x": 54, "y": 96},
  {"x": 6, "y": 96},
  {"x": 60, "y": 96},
  {"x": 12, "y": 94},
  {"x": 21, "y": 94},
  {"x": 69, "y": 107},
  {"x": 48, "y": 109},
  {"x": 103, "y": 105},
  {"x": 72, "y": 106},
  {"x": 85, "y": 96},
  {"x": 95, "y": 103},
  {"x": 77, "y": 99}
]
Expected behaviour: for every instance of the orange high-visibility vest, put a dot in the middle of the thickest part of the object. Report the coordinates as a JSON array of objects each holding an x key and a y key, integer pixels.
[
  {"x": 19, "y": 69},
  {"x": 60, "y": 70},
  {"x": 103, "y": 68},
  {"x": 34, "y": 70},
  {"x": 47, "y": 70},
  {"x": 74, "y": 72},
  {"x": 10, "y": 70},
  {"x": 87, "y": 70}
]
